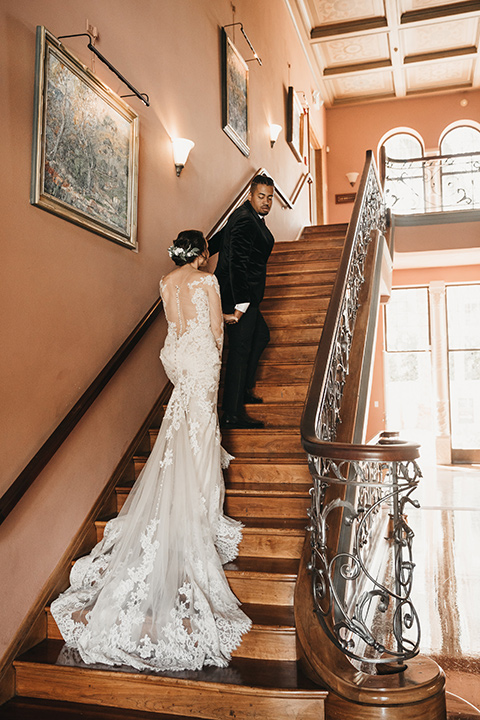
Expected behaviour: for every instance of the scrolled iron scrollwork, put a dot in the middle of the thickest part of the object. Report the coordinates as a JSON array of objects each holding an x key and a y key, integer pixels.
[
  {"x": 434, "y": 184},
  {"x": 351, "y": 618}
]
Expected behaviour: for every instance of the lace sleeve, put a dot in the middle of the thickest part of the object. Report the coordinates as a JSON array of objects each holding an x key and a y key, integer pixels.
[{"x": 216, "y": 316}]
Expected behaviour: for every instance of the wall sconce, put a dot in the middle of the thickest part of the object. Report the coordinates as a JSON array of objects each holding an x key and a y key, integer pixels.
[
  {"x": 181, "y": 150},
  {"x": 352, "y": 178},
  {"x": 275, "y": 131}
]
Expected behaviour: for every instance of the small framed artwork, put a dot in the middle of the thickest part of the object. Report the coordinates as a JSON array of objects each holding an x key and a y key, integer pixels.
[
  {"x": 234, "y": 95},
  {"x": 85, "y": 146},
  {"x": 295, "y": 129}
]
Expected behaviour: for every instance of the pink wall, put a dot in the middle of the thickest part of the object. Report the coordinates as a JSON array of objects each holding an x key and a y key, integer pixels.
[
  {"x": 353, "y": 130},
  {"x": 69, "y": 297}
]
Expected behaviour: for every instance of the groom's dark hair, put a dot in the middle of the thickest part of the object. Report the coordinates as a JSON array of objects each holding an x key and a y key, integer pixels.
[{"x": 261, "y": 180}]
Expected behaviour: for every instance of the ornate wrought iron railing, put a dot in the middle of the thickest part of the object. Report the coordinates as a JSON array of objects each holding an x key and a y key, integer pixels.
[
  {"x": 432, "y": 184},
  {"x": 361, "y": 564},
  {"x": 362, "y": 592}
]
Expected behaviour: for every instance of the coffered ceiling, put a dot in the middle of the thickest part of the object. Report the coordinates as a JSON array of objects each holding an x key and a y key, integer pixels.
[{"x": 377, "y": 49}]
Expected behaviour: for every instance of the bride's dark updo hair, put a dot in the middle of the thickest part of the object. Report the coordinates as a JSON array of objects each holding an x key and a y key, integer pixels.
[{"x": 188, "y": 246}]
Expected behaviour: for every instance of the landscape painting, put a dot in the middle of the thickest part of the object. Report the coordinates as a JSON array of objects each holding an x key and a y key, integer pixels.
[
  {"x": 235, "y": 95},
  {"x": 85, "y": 146}
]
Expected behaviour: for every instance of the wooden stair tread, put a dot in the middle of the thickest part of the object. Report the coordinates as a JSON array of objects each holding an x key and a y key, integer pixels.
[
  {"x": 268, "y": 459},
  {"x": 289, "y": 526},
  {"x": 266, "y": 616},
  {"x": 270, "y": 616},
  {"x": 292, "y": 525},
  {"x": 260, "y": 566},
  {"x": 20, "y": 708},
  {"x": 268, "y": 489},
  {"x": 300, "y": 290},
  {"x": 245, "y": 672},
  {"x": 291, "y": 381},
  {"x": 313, "y": 277},
  {"x": 236, "y": 488}
]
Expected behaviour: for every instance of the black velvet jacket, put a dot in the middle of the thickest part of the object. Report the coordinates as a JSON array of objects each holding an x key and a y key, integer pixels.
[{"x": 244, "y": 247}]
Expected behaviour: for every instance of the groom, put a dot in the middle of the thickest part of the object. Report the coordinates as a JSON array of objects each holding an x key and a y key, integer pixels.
[{"x": 245, "y": 246}]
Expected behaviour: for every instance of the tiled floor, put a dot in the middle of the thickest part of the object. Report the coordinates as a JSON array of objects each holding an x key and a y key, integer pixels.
[{"x": 446, "y": 590}]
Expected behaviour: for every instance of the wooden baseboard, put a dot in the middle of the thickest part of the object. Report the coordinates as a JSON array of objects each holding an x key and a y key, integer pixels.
[{"x": 33, "y": 628}]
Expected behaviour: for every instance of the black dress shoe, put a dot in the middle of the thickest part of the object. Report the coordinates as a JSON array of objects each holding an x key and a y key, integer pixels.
[
  {"x": 240, "y": 422},
  {"x": 251, "y": 399}
]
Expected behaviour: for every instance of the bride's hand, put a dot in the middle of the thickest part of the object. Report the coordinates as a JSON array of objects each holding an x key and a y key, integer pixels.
[{"x": 230, "y": 319}]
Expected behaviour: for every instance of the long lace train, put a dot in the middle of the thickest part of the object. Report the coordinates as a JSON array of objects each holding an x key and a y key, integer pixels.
[{"x": 152, "y": 594}]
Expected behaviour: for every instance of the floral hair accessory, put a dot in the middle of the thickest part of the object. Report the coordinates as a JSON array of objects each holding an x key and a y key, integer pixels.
[{"x": 184, "y": 254}]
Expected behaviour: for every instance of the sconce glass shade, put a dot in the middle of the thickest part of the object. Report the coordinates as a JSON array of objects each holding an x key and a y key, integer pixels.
[
  {"x": 181, "y": 150},
  {"x": 352, "y": 178},
  {"x": 275, "y": 131}
]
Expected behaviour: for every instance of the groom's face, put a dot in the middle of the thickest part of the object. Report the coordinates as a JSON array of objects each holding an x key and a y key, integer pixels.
[{"x": 261, "y": 199}]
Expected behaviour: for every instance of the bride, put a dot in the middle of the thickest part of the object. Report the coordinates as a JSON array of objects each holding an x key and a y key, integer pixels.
[{"x": 153, "y": 594}]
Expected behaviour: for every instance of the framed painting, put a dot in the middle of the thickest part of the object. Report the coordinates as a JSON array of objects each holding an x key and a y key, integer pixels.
[
  {"x": 295, "y": 129},
  {"x": 234, "y": 95},
  {"x": 85, "y": 146}
]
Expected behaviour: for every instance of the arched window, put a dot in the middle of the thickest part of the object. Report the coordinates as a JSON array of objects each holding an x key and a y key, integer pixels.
[
  {"x": 403, "y": 145},
  {"x": 460, "y": 151},
  {"x": 460, "y": 139},
  {"x": 404, "y": 186}
]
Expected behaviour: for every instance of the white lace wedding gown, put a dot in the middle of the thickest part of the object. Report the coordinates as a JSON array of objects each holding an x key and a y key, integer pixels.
[{"x": 153, "y": 594}]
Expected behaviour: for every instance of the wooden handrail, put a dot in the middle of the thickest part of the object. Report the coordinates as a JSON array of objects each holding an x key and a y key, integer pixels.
[{"x": 20, "y": 486}]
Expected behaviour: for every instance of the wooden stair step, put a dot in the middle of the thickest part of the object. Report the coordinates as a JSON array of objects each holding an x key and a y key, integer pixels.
[
  {"x": 327, "y": 229},
  {"x": 245, "y": 690},
  {"x": 272, "y": 537},
  {"x": 280, "y": 537},
  {"x": 306, "y": 277},
  {"x": 289, "y": 304},
  {"x": 313, "y": 239},
  {"x": 267, "y": 469},
  {"x": 294, "y": 318},
  {"x": 246, "y": 500},
  {"x": 270, "y": 392},
  {"x": 274, "y": 292},
  {"x": 277, "y": 441},
  {"x": 312, "y": 254},
  {"x": 287, "y": 353},
  {"x": 139, "y": 463},
  {"x": 284, "y": 373},
  {"x": 21, "y": 708},
  {"x": 309, "y": 334},
  {"x": 298, "y": 267},
  {"x": 277, "y": 414},
  {"x": 272, "y": 636},
  {"x": 261, "y": 580},
  {"x": 269, "y": 500}
]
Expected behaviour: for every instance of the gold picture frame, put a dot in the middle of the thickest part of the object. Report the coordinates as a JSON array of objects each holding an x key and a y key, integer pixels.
[
  {"x": 85, "y": 146},
  {"x": 234, "y": 95}
]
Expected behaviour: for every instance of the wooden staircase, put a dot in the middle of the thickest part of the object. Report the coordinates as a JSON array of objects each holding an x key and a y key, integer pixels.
[{"x": 267, "y": 487}]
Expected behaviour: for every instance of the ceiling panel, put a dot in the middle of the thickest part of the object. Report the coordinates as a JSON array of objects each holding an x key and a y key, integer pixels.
[
  {"x": 367, "y": 49},
  {"x": 355, "y": 50},
  {"x": 408, "y": 5},
  {"x": 336, "y": 11},
  {"x": 439, "y": 36},
  {"x": 439, "y": 75},
  {"x": 364, "y": 85}
]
